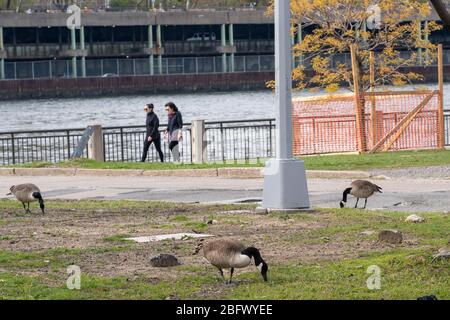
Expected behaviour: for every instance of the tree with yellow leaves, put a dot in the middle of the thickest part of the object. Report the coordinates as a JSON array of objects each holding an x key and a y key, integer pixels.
[{"x": 390, "y": 28}]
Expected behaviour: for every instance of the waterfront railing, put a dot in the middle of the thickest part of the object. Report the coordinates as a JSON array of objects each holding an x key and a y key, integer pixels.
[{"x": 226, "y": 141}]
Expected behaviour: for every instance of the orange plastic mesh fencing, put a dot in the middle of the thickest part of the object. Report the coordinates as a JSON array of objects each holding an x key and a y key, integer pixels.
[{"x": 328, "y": 124}]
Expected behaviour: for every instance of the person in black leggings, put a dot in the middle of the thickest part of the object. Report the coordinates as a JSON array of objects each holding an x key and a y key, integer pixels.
[
  {"x": 174, "y": 133},
  {"x": 153, "y": 135}
]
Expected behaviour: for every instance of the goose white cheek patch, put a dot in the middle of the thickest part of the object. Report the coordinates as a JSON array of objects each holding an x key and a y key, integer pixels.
[{"x": 260, "y": 267}]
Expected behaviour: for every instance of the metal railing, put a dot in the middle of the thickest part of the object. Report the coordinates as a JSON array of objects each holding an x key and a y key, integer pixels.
[
  {"x": 136, "y": 67},
  {"x": 125, "y": 144},
  {"x": 226, "y": 141},
  {"x": 240, "y": 140},
  {"x": 46, "y": 69},
  {"x": 38, "y": 146}
]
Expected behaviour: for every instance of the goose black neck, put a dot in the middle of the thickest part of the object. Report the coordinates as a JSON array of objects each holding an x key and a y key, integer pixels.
[
  {"x": 37, "y": 195},
  {"x": 254, "y": 253},
  {"x": 346, "y": 193}
]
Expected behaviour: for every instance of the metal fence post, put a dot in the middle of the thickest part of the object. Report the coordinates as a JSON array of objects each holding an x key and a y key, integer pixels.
[
  {"x": 222, "y": 142},
  {"x": 13, "y": 149},
  {"x": 198, "y": 141},
  {"x": 68, "y": 144},
  {"x": 122, "y": 148},
  {"x": 95, "y": 145}
]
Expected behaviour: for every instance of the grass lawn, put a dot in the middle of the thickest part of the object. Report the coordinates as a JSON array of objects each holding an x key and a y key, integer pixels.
[
  {"x": 400, "y": 159},
  {"x": 316, "y": 255}
]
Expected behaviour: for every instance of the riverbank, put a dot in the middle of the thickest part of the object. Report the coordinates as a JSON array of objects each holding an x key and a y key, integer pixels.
[
  {"x": 132, "y": 85},
  {"x": 160, "y": 84}
]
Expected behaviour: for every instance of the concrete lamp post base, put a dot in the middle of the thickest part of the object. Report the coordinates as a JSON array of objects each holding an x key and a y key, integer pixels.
[{"x": 285, "y": 186}]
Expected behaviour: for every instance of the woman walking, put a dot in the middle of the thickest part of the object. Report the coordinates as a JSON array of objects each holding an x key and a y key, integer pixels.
[
  {"x": 153, "y": 135},
  {"x": 173, "y": 132}
]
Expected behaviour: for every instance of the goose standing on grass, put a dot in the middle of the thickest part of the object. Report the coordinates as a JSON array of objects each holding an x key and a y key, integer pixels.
[
  {"x": 231, "y": 254},
  {"x": 361, "y": 189},
  {"x": 27, "y": 193}
]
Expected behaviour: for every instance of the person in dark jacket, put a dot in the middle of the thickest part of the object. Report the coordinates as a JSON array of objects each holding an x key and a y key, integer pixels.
[
  {"x": 174, "y": 127},
  {"x": 153, "y": 135}
]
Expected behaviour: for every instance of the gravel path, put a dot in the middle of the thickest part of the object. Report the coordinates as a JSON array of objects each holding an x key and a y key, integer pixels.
[{"x": 437, "y": 172}]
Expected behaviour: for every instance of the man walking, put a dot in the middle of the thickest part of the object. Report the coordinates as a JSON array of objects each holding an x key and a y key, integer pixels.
[{"x": 153, "y": 135}]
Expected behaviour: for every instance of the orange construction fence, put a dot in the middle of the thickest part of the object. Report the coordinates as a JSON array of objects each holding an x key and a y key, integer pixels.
[{"x": 390, "y": 121}]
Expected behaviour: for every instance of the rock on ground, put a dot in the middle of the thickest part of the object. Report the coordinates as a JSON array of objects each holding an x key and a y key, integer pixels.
[
  {"x": 444, "y": 253},
  {"x": 415, "y": 218},
  {"x": 390, "y": 236},
  {"x": 164, "y": 261}
]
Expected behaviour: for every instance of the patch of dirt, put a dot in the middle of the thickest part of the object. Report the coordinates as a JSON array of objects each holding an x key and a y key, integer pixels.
[{"x": 280, "y": 240}]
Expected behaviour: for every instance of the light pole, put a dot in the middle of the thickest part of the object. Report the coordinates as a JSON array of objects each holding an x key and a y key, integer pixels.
[{"x": 285, "y": 184}]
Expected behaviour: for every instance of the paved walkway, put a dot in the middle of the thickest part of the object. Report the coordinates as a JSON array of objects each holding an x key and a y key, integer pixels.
[{"x": 399, "y": 193}]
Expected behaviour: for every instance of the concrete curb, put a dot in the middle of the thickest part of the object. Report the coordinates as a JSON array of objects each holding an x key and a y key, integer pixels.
[
  {"x": 328, "y": 174},
  {"x": 109, "y": 172},
  {"x": 44, "y": 171},
  {"x": 181, "y": 173},
  {"x": 243, "y": 173},
  {"x": 248, "y": 173}
]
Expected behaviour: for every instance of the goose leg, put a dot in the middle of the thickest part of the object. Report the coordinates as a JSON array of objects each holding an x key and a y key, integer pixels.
[
  {"x": 231, "y": 275},
  {"x": 221, "y": 272},
  {"x": 28, "y": 210},
  {"x": 365, "y": 204},
  {"x": 356, "y": 205},
  {"x": 24, "y": 207}
]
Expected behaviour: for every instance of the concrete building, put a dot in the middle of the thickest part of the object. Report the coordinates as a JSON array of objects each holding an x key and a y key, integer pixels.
[{"x": 38, "y": 45}]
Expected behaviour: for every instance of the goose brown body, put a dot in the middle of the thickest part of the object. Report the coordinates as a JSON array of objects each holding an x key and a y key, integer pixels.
[
  {"x": 360, "y": 189},
  {"x": 225, "y": 254},
  {"x": 27, "y": 193},
  {"x": 231, "y": 254}
]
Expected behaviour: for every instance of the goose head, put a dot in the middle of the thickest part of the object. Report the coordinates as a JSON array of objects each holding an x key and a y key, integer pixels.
[{"x": 259, "y": 261}]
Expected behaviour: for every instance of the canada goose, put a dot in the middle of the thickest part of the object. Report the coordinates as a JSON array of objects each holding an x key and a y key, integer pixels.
[
  {"x": 224, "y": 254},
  {"x": 27, "y": 193},
  {"x": 360, "y": 189}
]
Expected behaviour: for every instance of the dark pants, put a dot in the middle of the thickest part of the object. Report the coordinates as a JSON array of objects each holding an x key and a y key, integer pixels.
[
  {"x": 147, "y": 145},
  {"x": 172, "y": 145}
]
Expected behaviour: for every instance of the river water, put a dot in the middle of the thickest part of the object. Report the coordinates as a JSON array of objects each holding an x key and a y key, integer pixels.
[{"x": 38, "y": 114}]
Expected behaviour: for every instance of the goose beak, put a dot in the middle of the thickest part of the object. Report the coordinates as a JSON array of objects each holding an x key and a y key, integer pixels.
[{"x": 9, "y": 194}]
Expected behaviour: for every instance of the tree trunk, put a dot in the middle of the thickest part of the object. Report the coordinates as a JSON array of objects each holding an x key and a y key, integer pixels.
[{"x": 441, "y": 9}]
